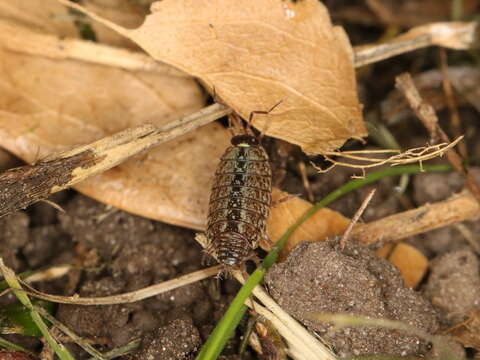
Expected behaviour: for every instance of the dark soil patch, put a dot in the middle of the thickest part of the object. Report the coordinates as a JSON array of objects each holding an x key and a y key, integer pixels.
[{"x": 115, "y": 252}]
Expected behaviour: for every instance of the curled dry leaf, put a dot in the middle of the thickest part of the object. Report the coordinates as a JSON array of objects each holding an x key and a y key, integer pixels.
[
  {"x": 255, "y": 54},
  {"x": 49, "y": 105},
  {"x": 323, "y": 224},
  {"x": 411, "y": 262}
]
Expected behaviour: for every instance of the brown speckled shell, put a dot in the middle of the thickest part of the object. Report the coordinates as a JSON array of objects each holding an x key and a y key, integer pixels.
[{"x": 239, "y": 204}]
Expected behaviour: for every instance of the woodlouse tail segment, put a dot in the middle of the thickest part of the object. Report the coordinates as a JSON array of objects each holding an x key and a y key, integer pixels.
[{"x": 232, "y": 249}]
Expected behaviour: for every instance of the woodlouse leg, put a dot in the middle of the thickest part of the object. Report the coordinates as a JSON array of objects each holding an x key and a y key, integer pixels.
[
  {"x": 266, "y": 239},
  {"x": 260, "y": 112},
  {"x": 285, "y": 198}
]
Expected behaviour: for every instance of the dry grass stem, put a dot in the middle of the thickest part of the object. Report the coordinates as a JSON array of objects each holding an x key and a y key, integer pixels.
[
  {"x": 132, "y": 296},
  {"x": 20, "y": 39},
  {"x": 51, "y": 273},
  {"x": 428, "y": 117},
  {"x": 355, "y": 218},
  {"x": 409, "y": 156},
  {"x": 453, "y": 35},
  {"x": 26, "y": 185},
  {"x": 457, "y": 208}
]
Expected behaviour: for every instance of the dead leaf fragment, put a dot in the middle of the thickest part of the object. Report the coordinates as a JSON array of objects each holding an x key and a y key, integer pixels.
[
  {"x": 467, "y": 332},
  {"x": 255, "y": 54},
  {"x": 46, "y": 16},
  {"x": 122, "y": 12},
  {"x": 323, "y": 224},
  {"x": 48, "y": 106},
  {"x": 411, "y": 262}
]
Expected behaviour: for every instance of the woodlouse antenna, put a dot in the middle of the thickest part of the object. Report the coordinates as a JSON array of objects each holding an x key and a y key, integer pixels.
[{"x": 267, "y": 123}]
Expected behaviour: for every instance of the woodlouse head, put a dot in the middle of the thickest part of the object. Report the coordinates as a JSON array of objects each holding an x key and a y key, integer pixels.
[{"x": 244, "y": 140}]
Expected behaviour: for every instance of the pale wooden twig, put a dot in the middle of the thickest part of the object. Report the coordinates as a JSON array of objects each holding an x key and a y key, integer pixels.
[
  {"x": 457, "y": 208},
  {"x": 25, "y": 185},
  {"x": 131, "y": 296},
  {"x": 428, "y": 117},
  {"x": 454, "y": 35}
]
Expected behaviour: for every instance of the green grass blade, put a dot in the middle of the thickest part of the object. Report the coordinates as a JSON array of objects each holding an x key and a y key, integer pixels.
[
  {"x": 11, "y": 346},
  {"x": 12, "y": 281}
]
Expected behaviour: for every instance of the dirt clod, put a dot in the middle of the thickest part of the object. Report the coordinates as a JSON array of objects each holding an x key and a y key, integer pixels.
[
  {"x": 175, "y": 341},
  {"x": 13, "y": 236},
  {"x": 454, "y": 285},
  {"x": 319, "y": 278}
]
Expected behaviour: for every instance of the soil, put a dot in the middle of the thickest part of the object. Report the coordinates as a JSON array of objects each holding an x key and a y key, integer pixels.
[
  {"x": 351, "y": 281},
  {"x": 116, "y": 252}
]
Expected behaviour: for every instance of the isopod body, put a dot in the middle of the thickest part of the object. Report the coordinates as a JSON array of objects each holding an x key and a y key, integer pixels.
[{"x": 239, "y": 202}]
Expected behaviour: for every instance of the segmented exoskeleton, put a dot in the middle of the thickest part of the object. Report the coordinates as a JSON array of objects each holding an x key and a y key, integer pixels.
[{"x": 239, "y": 202}]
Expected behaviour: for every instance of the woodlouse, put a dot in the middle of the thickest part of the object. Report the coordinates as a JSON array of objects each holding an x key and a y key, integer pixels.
[{"x": 240, "y": 200}]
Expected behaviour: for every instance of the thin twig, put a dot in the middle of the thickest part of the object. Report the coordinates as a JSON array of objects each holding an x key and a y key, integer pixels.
[
  {"x": 131, "y": 296},
  {"x": 23, "y": 186},
  {"x": 427, "y": 115},
  {"x": 306, "y": 184},
  {"x": 457, "y": 208},
  {"x": 121, "y": 350},
  {"x": 451, "y": 103},
  {"x": 355, "y": 218},
  {"x": 454, "y": 35}
]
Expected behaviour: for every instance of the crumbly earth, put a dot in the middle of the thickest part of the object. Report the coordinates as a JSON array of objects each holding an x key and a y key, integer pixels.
[
  {"x": 320, "y": 278},
  {"x": 454, "y": 285},
  {"x": 115, "y": 252}
]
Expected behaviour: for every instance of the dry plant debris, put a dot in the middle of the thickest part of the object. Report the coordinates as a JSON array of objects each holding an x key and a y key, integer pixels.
[
  {"x": 457, "y": 208},
  {"x": 51, "y": 105},
  {"x": 454, "y": 35},
  {"x": 323, "y": 224},
  {"x": 411, "y": 263},
  {"x": 305, "y": 62},
  {"x": 467, "y": 332}
]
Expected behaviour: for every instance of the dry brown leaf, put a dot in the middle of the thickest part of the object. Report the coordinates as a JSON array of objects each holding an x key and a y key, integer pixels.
[
  {"x": 323, "y": 224},
  {"x": 47, "y": 106},
  {"x": 411, "y": 262},
  {"x": 46, "y": 16},
  {"x": 255, "y": 54},
  {"x": 121, "y": 12},
  {"x": 467, "y": 332}
]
